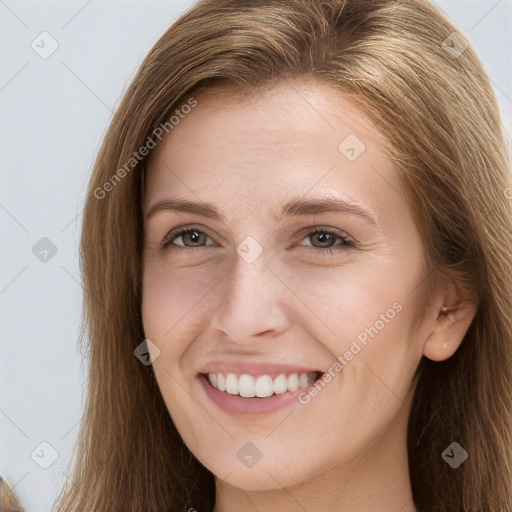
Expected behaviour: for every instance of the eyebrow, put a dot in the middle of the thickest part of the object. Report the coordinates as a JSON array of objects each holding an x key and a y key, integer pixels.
[
  {"x": 294, "y": 208},
  {"x": 327, "y": 204}
]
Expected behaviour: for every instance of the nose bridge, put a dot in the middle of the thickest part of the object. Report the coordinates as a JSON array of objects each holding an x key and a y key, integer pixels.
[
  {"x": 249, "y": 272},
  {"x": 249, "y": 300}
]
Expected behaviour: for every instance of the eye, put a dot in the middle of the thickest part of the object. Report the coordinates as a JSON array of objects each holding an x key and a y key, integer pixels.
[
  {"x": 331, "y": 241},
  {"x": 327, "y": 239},
  {"x": 188, "y": 235}
]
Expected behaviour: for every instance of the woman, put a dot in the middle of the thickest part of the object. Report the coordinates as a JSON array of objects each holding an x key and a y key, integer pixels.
[{"x": 299, "y": 216}]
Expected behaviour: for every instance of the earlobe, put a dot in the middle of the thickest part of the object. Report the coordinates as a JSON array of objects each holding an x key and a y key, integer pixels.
[{"x": 448, "y": 331}]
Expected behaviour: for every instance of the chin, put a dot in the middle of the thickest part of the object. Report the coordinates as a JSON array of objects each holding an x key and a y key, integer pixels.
[{"x": 265, "y": 474}]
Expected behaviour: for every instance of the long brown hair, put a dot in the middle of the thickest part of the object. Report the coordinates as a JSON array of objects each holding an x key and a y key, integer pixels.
[{"x": 408, "y": 68}]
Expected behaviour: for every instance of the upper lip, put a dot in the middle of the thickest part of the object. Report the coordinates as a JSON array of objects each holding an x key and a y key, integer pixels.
[{"x": 255, "y": 368}]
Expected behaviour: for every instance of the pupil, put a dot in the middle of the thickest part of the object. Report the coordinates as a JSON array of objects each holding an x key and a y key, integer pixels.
[
  {"x": 323, "y": 237},
  {"x": 193, "y": 236}
]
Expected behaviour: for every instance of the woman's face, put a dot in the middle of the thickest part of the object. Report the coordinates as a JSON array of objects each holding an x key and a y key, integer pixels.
[{"x": 263, "y": 300}]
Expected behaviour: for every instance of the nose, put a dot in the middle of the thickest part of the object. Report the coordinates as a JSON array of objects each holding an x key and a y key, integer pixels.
[{"x": 251, "y": 302}]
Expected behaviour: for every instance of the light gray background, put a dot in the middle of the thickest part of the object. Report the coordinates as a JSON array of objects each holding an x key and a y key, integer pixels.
[{"x": 53, "y": 114}]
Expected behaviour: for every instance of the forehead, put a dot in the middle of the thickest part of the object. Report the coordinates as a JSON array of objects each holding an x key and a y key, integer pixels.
[{"x": 289, "y": 139}]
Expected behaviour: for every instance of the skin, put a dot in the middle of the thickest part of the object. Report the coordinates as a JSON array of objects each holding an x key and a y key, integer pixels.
[{"x": 345, "y": 450}]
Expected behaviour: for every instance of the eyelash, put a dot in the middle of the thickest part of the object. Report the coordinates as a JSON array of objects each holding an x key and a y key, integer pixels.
[{"x": 346, "y": 241}]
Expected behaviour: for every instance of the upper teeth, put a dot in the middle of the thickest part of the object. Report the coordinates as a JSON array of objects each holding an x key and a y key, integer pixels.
[{"x": 248, "y": 386}]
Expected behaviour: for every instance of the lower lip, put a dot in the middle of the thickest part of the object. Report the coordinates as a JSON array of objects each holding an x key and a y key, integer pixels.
[{"x": 235, "y": 404}]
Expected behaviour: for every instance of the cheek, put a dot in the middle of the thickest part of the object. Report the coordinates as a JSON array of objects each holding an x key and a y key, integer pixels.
[
  {"x": 171, "y": 298},
  {"x": 365, "y": 314},
  {"x": 340, "y": 302}
]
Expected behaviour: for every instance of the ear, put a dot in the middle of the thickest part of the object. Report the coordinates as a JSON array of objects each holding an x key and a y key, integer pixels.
[{"x": 452, "y": 318}]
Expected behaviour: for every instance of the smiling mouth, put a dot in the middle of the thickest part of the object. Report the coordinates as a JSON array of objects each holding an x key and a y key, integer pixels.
[{"x": 261, "y": 386}]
